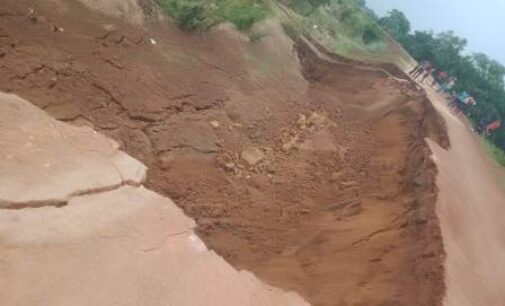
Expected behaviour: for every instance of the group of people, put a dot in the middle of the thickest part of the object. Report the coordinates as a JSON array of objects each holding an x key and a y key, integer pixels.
[
  {"x": 458, "y": 102},
  {"x": 461, "y": 102},
  {"x": 426, "y": 69},
  {"x": 423, "y": 70}
]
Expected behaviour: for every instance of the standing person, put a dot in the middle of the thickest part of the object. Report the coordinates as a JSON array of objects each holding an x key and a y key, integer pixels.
[
  {"x": 428, "y": 72},
  {"x": 493, "y": 126},
  {"x": 416, "y": 68},
  {"x": 463, "y": 101},
  {"x": 441, "y": 77},
  {"x": 448, "y": 85},
  {"x": 420, "y": 69}
]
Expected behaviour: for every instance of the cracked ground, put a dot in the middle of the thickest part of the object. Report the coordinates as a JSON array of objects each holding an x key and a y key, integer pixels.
[{"x": 336, "y": 185}]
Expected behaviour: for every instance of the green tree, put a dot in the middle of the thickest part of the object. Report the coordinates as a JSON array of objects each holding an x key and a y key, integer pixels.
[
  {"x": 396, "y": 24},
  {"x": 420, "y": 45},
  {"x": 490, "y": 69},
  {"x": 477, "y": 74}
]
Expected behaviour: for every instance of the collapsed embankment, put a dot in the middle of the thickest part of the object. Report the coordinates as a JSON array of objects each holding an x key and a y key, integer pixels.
[
  {"x": 86, "y": 232},
  {"x": 313, "y": 175}
]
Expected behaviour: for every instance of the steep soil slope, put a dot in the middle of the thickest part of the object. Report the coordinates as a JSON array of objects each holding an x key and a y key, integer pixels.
[{"x": 313, "y": 175}]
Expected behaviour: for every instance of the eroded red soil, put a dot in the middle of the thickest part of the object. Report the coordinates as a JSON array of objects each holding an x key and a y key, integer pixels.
[{"x": 315, "y": 176}]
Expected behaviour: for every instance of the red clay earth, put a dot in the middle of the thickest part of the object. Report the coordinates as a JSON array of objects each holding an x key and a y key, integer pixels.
[{"x": 314, "y": 176}]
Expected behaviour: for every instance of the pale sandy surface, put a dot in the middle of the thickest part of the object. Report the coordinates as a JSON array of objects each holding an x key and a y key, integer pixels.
[
  {"x": 46, "y": 162},
  {"x": 471, "y": 209},
  {"x": 110, "y": 241}
]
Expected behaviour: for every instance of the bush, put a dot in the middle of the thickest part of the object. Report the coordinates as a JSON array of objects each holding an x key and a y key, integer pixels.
[
  {"x": 191, "y": 17},
  {"x": 292, "y": 30},
  {"x": 193, "y": 14},
  {"x": 371, "y": 34},
  {"x": 186, "y": 14},
  {"x": 243, "y": 14}
]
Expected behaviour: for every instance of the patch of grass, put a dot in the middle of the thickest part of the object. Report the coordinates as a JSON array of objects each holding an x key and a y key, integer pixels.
[
  {"x": 305, "y": 7},
  {"x": 339, "y": 25},
  {"x": 371, "y": 33},
  {"x": 345, "y": 28},
  {"x": 202, "y": 14},
  {"x": 301, "y": 6},
  {"x": 346, "y": 19},
  {"x": 497, "y": 153},
  {"x": 243, "y": 14},
  {"x": 293, "y": 29}
]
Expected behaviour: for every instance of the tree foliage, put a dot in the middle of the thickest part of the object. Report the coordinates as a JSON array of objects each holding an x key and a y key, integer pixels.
[
  {"x": 477, "y": 74},
  {"x": 396, "y": 24}
]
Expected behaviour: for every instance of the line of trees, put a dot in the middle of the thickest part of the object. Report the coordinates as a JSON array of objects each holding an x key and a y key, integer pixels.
[{"x": 477, "y": 74}]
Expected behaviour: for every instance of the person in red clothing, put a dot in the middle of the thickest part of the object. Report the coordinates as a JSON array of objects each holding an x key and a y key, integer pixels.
[
  {"x": 493, "y": 126},
  {"x": 441, "y": 77}
]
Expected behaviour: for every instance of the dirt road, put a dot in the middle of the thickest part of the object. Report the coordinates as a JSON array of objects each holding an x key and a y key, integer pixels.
[{"x": 471, "y": 210}]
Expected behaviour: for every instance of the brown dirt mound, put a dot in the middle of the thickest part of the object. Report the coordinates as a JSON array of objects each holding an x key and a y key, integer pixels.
[{"x": 322, "y": 183}]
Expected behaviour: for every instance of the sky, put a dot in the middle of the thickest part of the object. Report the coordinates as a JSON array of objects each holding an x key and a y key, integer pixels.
[{"x": 481, "y": 22}]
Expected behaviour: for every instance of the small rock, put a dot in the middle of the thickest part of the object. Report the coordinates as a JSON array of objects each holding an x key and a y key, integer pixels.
[
  {"x": 305, "y": 211},
  {"x": 230, "y": 166},
  {"x": 316, "y": 119},
  {"x": 287, "y": 146},
  {"x": 234, "y": 126},
  {"x": 302, "y": 121},
  {"x": 268, "y": 150},
  {"x": 215, "y": 124},
  {"x": 109, "y": 27},
  {"x": 252, "y": 156},
  {"x": 349, "y": 183},
  {"x": 52, "y": 82},
  {"x": 153, "y": 42},
  {"x": 165, "y": 160}
]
